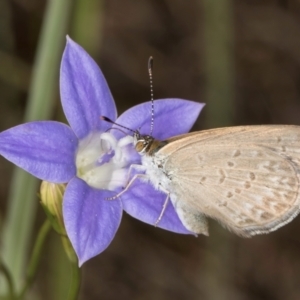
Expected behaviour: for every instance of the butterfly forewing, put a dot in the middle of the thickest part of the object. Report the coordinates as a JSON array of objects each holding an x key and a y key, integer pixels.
[{"x": 246, "y": 177}]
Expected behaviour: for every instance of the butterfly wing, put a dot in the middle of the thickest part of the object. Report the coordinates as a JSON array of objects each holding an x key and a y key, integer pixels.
[
  {"x": 193, "y": 219},
  {"x": 245, "y": 177}
]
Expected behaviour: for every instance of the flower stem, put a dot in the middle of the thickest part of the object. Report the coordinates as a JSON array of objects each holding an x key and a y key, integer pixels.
[
  {"x": 75, "y": 281},
  {"x": 22, "y": 200},
  {"x": 35, "y": 257},
  {"x": 219, "y": 61},
  {"x": 7, "y": 276},
  {"x": 89, "y": 12},
  {"x": 220, "y": 77}
]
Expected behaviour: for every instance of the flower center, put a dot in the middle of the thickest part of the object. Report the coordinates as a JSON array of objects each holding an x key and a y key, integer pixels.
[{"x": 102, "y": 160}]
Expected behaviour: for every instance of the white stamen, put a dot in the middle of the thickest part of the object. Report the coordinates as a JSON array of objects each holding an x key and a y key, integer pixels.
[{"x": 91, "y": 162}]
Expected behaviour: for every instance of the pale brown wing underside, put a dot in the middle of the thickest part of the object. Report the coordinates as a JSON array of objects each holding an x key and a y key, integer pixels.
[{"x": 245, "y": 177}]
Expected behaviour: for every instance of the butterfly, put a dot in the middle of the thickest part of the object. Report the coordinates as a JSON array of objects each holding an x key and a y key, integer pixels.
[{"x": 245, "y": 177}]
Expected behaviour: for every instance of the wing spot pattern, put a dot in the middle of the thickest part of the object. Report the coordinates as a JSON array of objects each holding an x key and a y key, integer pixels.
[
  {"x": 229, "y": 195},
  {"x": 245, "y": 220},
  {"x": 252, "y": 176},
  {"x": 200, "y": 158},
  {"x": 230, "y": 164},
  {"x": 279, "y": 207},
  {"x": 273, "y": 166},
  {"x": 202, "y": 179},
  {"x": 237, "y": 153},
  {"x": 238, "y": 191},
  {"x": 258, "y": 154},
  {"x": 247, "y": 185},
  {"x": 222, "y": 176},
  {"x": 265, "y": 216}
]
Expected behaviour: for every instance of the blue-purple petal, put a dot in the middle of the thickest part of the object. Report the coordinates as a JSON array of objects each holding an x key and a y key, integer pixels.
[
  {"x": 45, "y": 149},
  {"x": 143, "y": 202},
  {"x": 85, "y": 95},
  {"x": 90, "y": 219},
  {"x": 171, "y": 117}
]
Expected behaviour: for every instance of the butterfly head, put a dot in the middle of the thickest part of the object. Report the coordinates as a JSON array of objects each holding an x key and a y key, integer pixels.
[
  {"x": 146, "y": 144},
  {"x": 142, "y": 143}
]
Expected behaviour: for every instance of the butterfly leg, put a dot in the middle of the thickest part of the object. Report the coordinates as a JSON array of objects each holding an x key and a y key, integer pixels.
[
  {"x": 163, "y": 209},
  {"x": 132, "y": 167},
  {"x": 128, "y": 186}
]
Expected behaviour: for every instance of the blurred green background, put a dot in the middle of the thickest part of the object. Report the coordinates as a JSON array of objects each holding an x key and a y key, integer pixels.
[{"x": 240, "y": 57}]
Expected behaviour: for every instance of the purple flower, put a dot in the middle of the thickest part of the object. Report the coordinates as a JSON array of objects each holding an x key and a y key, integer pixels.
[{"x": 94, "y": 160}]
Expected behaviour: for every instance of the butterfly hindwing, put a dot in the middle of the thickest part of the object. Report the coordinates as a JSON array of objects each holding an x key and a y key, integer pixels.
[{"x": 245, "y": 177}]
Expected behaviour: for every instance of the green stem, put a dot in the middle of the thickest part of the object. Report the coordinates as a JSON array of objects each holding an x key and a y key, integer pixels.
[
  {"x": 35, "y": 257},
  {"x": 219, "y": 62},
  {"x": 88, "y": 12},
  {"x": 7, "y": 276},
  {"x": 22, "y": 200},
  {"x": 75, "y": 281},
  {"x": 220, "y": 77}
]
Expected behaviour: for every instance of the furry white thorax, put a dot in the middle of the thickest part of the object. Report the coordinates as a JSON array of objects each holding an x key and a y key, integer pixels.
[
  {"x": 153, "y": 165},
  {"x": 155, "y": 173},
  {"x": 101, "y": 160}
]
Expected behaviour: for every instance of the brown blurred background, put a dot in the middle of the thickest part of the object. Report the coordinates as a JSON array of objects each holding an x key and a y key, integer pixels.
[{"x": 144, "y": 262}]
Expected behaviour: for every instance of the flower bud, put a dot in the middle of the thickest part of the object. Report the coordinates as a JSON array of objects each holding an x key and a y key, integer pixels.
[{"x": 51, "y": 199}]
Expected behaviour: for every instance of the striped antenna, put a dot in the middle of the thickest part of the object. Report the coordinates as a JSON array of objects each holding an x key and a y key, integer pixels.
[
  {"x": 150, "y": 69},
  {"x": 112, "y": 122}
]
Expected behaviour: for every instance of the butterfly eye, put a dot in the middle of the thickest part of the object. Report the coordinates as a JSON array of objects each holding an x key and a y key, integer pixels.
[{"x": 140, "y": 146}]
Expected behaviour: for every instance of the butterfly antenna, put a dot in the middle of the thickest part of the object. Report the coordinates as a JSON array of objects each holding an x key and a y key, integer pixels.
[
  {"x": 112, "y": 122},
  {"x": 150, "y": 69}
]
